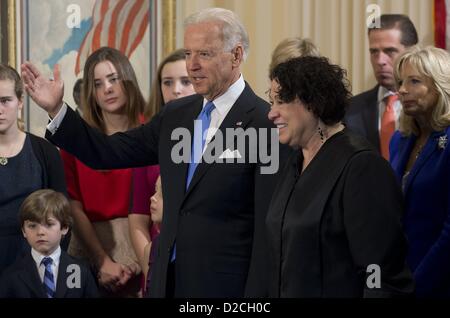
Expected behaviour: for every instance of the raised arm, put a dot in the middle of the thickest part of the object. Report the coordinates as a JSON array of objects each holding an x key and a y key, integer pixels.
[
  {"x": 47, "y": 93},
  {"x": 95, "y": 149}
]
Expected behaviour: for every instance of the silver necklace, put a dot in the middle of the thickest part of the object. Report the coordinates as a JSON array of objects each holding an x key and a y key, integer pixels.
[{"x": 420, "y": 148}]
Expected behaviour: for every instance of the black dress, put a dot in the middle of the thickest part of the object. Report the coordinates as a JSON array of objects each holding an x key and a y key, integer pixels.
[{"x": 327, "y": 225}]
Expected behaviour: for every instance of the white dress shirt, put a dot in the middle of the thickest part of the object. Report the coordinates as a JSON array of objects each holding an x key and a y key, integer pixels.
[
  {"x": 223, "y": 105},
  {"x": 38, "y": 257}
]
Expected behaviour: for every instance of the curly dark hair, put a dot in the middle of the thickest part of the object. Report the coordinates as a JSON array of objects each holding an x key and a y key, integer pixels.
[{"x": 323, "y": 87}]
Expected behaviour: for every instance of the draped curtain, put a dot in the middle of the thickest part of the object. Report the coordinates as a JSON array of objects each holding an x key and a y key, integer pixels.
[{"x": 337, "y": 27}]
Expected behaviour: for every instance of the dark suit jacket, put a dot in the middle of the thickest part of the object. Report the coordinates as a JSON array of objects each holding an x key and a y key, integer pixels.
[
  {"x": 427, "y": 218},
  {"x": 362, "y": 116},
  {"x": 327, "y": 225},
  {"x": 218, "y": 222},
  {"x": 21, "y": 280}
]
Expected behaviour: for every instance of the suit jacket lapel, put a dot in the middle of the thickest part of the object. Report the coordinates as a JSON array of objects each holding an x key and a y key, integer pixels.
[
  {"x": 371, "y": 115},
  {"x": 405, "y": 146},
  {"x": 191, "y": 112},
  {"x": 238, "y": 116},
  {"x": 61, "y": 285},
  {"x": 429, "y": 148},
  {"x": 30, "y": 276}
]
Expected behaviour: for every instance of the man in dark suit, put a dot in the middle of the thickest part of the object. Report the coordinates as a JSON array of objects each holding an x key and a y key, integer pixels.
[
  {"x": 394, "y": 35},
  {"x": 212, "y": 241}
]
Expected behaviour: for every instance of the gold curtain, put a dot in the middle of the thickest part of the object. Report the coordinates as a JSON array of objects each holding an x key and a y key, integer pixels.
[{"x": 337, "y": 27}]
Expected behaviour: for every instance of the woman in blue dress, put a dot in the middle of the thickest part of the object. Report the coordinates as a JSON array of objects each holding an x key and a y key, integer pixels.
[{"x": 420, "y": 157}]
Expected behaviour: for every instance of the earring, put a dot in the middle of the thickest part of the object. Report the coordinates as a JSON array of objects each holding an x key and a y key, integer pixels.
[{"x": 321, "y": 134}]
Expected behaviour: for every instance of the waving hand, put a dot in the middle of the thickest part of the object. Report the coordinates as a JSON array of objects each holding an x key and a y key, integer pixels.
[{"x": 47, "y": 93}]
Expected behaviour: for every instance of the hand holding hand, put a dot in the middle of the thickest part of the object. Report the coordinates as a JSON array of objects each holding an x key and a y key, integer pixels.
[{"x": 112, "y": 275}]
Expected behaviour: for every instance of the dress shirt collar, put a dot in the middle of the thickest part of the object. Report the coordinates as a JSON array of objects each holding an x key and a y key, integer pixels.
[
  {"x": 38, "y": 257},
  {"x": 224, "y": 102},
  {"x": 383, "y": 93}
]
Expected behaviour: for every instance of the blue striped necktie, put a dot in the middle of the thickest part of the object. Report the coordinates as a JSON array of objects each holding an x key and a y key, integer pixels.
[{"x": 49, "y": 282}]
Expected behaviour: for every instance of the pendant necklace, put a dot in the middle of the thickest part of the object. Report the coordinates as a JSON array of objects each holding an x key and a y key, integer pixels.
[{"x": 4, "y": 160}]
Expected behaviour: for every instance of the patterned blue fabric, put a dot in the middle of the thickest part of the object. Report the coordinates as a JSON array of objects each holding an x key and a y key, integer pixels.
[{"x": 49, "y": 282}]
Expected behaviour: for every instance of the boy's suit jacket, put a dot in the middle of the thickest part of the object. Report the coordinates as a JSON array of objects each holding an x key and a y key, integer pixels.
[{"x": 21, "y": 280}]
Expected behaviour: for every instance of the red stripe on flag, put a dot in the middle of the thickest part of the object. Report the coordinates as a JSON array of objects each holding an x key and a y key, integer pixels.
[
  {"x": 107, "y": 18},
  {"x": 105, "y": 6},
  {"x": 129, "y": 24},
  {"x": 113, "y": 26},
  {"x": 96, "y": 43},
  {"x": 440, "y": 16},
  {"x": 140, "y": 34}
]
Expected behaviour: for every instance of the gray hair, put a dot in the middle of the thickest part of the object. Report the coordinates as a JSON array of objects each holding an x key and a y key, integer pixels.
[{"x": 233, "y": 30}]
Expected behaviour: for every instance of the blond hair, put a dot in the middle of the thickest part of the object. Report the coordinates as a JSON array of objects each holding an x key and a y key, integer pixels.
[
  {"x": 291, "y": 48},
  {"x": 434, "y": 64}
]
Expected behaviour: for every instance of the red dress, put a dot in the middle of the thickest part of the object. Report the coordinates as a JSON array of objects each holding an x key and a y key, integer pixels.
[{"x": 104, "y": 194}]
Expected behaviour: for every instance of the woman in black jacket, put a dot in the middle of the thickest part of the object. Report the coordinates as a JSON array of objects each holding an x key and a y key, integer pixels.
[
  {"x": 335, "y": 218},
  {"x": 27, "y": 163}
]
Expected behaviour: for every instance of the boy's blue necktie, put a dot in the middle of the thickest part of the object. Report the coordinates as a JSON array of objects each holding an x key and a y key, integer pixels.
[{"x": 49, "y": 282}]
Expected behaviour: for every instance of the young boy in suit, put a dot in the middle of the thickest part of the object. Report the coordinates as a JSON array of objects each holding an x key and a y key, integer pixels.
[{"x": 46, "y": 271}]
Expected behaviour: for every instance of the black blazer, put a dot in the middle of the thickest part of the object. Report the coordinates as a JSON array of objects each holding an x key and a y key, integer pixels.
[
  {"x": 327, "y": 225},
  {"x": 218, "y": 222},
  {"x": 362, "y": 116},
  {"x": 21, "y": 280}
]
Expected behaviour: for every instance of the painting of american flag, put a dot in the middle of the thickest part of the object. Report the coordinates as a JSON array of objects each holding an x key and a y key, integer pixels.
[
  {"x": 120, "y": 24},
  {"x": 50, "y": 37}
]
